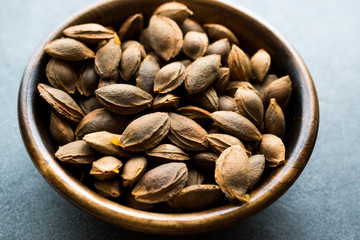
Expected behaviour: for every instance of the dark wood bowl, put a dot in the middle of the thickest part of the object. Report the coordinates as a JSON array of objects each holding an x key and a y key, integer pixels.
[{"x": 302, "y": 120}]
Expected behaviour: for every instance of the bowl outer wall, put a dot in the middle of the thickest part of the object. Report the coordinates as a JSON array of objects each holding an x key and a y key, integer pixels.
[{"x": 185, "y": 223}]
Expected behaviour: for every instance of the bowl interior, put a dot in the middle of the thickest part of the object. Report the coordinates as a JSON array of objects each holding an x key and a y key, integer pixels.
[{"x": 253, "y": 33}]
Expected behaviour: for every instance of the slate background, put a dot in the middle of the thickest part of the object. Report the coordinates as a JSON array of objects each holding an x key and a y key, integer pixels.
[{"x": 324, "y": 203}]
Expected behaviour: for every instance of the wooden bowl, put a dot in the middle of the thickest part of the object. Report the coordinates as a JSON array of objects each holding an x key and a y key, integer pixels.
[{"x": 302, "y": 120}]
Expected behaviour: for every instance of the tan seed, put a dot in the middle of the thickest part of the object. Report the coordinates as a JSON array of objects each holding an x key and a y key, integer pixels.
[
  {"x": 186, "y": 133},
  {"x": 195, "y": 44},
  {"x": 89, "y": 104},
  {"x": 168, "y": 153},
  {"x": 193, "y": 112},
  {"x": 260, "y": 65},
  {"x": 165, "y": 37},
  {"x": 123, "y": 99},
  {"x": 161, "y": 183},
  {"x": 167, "y": 102},
  {"x": 239, "y": 64},
  {"x": 226, "y": 103},
  {"x": 69, "y": 49},
  {"x": 194, "y": 177},
  {"x": 250, "y": 105},
  {"x": 260, "y": 87},
  {"x": 130, "y": 62},
  {"x": 236, "y": 125},
  {"x": 108, "y": 58},
  {"x": 274, "y": 119},
  {"x": 233, "y": 172},
  {"x": 217, "y": 32},
  {"x": 219, "y": 142},
  {"x": 61, "y": 102},
  {"x": 202, "y": 73},
  {"x": 279, "y": 89},
  {"x": 61, "y": 75},
  {"x": 61, "y": 130},
  {"x": 189, "y": 197},
  {"x": 148, "y": 69},
  {"x": 207, "y": 100},
  {"x": 88, "y": 80},
  {"x": 105, "y": 168},
  {"x": 257, "y": 163},
  {"x": 109, "y": 188},
  {"x": 133, "y": 169},
  {"x": 273, "y": 149},
  {"x": 145, "y": 132},
  {"x": 174, "y": 10},
  {"x": 76, "y": 153},
  {"x": 169, "y": 77},
  {"x": 233, "y": 86},
  {"x": 125, "y": 45},
  {"x": 222, "y": 80},
  {"x": 89, "y": 32},
  {"x": 102, "y": 143}
]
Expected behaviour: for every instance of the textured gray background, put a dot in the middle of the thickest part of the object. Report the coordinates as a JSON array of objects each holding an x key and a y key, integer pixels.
[{"x": 324, "y": 203}]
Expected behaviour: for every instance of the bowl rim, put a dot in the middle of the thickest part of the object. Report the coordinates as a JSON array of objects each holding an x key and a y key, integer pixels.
[{"x": 149, "y": 222}]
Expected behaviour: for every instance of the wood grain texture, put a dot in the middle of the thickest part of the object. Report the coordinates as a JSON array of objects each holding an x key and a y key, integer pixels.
[{"x": 302, "y": 120}]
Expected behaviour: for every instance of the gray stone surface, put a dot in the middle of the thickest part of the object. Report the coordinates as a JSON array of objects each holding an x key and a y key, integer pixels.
[{"x": 324, "y": 203}]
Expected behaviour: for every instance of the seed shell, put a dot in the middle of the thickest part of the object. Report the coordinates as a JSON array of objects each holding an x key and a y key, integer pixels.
[
  {"x": 109, "y": 188},
  {"x": 274, "y": 119},
  {"x": 76, "y": 153},
  {"x": 105, "y": 168},
  {"x": 260, "y": 65},
  {"x": 133, "y": 169},
  {"x": 273, "y": 149},
  {"x": 219, "y": 142},
  {"x": 190, "y": 25},
  {"x": 108, "y": 58},
  {"x": 220, "y": 47},
  {"x": 148, "y": 69},
  {"x": 132, "y": 27},
  {"x": 217, "y": 32},
  {"x": 169, "y": 77},
  {"x": 61, "y": 75},
  {"x": 61, "y": 102},
  {"x": 257, "y": 163},
  {"x": 130, "y": 62},
  {"x": 195, "y": 44},
  {"x": 69, "y": 50},
  {"x": 279, "y": 89},
  {"x": 168, "y": 153},
  {"x": 161, "y": 183},
  {"x": 239, "y": 64},
  {"x": 174, "y": 10},
  {"x": 89, "y": 32}
]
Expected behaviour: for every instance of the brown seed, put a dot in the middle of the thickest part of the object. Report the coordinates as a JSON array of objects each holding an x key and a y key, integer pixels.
[
  {"x": 145, "y": 132},
  {"x": 205, "y": 161},
  {"x": 239, "y": 64},
  {"x": 169, "y": 77},
  {"x": 274, "y": 119},
  {"x": 108, "y": 58},
  {"x": 257, "y": 163},
  {"x": 130, "y": 62},
  {"x": 202, "y": 73},
  {"x": 233, "y": 86},
  {"x": 193, "y": 112},
  {"x": 161, "y": 183},
  {"x": 226, "y": 103},
  {"x": 101, "y": 120},
  {"x": 60, "y": 130},
  {"x": 109, "y": 188},
  {"x": 214, "y": 128},
  {"x": 69, "y": 49},
  {"x": 207, "y": 100},
  {"x": 88, "y": 80},
  {"x": 198, "y": 197},
  {"x": 260, "y": 65},
  {"x": 105, "y": 168},
  {"x": 89, "y": 32},
  {"x": 167, "y": 102},
  {"x": 148, "y": 69},
  {"x": 195, "y": 44},
  {"x": 194, "y": 177},
  {"x": 249, "y": 105},
  {"x": 123, "y": 99},
  {"x": 61, "y": 75},
  {"x": 222, "y": 80},
  {"x": 165, "y": 37},
  {"x": 165, "y": 153},
  {"x": 233, "y": 172},
  {"x": 219, "y": 142},
  {"x": 190, "y": 25},
  {"x": 260, "y": 87},
  {"x": 174, "y": 10},
  {"x": 273, "y": 149},
  {"x": 61, "y": 102},
  {"x": 132, "y": 27},
  {"x": 279, "y": 89},
  {"x": 102, "y": 143},
  {"x": 236, "y": 125},
  {"x": 89, "y": 104},
  {"x": 186, "y": 133},
  {"x": 133, "y": 169},
  {"x": 125, "y": 45},
  {"x": 220, "y": 47},
  {"x": 217, "y": 32},
  {"x": 76, "y": 153}
]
